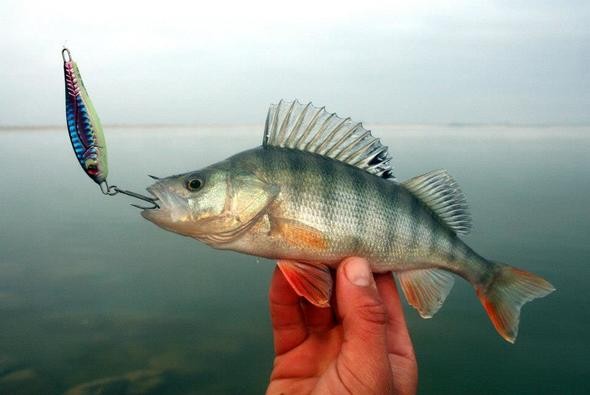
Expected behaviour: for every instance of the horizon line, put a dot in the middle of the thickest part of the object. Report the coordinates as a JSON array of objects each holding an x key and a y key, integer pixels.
[{"x": 206, "y": 124}]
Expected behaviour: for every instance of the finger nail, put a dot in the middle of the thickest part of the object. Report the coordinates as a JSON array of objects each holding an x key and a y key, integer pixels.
[{"x": 357, "y": 272}]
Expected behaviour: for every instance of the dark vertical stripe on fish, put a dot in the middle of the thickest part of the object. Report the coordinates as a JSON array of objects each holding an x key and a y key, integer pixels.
[
  {"x": 328, "y": 191},
  {"x": 390, "y": 203},
  {"x": 415, "y": 215},
  {"x": 259, "y": 156},
  {"x": 268, "y": 162},
  {"x": 470, "y": 255},
  {"x": 365, "y": 218},
  {"x": 461, "y": 250},
  {"x": 297, "y": 165},
  {"x": 360, "y": 221},
  {"x": 432, "y": 227},
  {"x": 452, "y": 253}
]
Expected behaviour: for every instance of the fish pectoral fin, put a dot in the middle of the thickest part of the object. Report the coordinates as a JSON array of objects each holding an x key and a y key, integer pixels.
[
  {"x": 311, "y": 281},
  {"x": 298, "y": 234},
  {"x": 250, "y": 196},
  {"x": 426, "y": 289}
]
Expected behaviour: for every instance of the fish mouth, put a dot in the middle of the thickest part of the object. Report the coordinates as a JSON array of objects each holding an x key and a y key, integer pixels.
[
  {"x": 156, "y": 195},
  {"x": 167, "y": 205},
  {"x": 155, "y": 198}
]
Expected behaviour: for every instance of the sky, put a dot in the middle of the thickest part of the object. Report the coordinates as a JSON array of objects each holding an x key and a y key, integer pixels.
[{"x": 195, "y": 62}]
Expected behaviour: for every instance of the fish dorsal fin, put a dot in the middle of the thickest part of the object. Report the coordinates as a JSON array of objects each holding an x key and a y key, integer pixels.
[
  {"x": 312, "y": 129},
  {"x": 426, "y": 289},
  {"x": 440, "y": 192}
]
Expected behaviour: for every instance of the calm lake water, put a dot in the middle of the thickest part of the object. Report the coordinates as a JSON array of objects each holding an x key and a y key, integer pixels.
[{"x": 96, "y": 300}]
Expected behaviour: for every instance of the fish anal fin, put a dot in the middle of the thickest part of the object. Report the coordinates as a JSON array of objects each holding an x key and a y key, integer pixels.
[
  {"x": 311, "y": 281},
  {"x": 426, "y": 289},
  {"x": 298, "y": 234}
]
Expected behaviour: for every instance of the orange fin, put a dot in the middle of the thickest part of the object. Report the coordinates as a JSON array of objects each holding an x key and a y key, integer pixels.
[
  {"x": 313, "y": 282},
  {"x": 504, "y": 296},
  {"x": 298, "y": 234},
  {"x": 426, "y": 289}
]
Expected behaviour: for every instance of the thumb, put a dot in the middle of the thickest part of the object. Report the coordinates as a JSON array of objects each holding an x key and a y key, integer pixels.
[{"x": 364, "y": 320}]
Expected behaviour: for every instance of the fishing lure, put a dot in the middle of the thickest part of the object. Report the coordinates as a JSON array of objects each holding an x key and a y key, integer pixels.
[{"x": 85, "y": 131}]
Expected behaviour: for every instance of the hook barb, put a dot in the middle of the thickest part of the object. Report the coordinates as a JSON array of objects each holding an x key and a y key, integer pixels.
[
  {"x": 140, "y": 197},
  {"x": 144, "y": 208},
  {"x": 112, "y": 190}
]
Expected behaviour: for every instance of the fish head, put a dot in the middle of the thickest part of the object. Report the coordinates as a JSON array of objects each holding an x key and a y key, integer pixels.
[{"x": 214, "y": 205}]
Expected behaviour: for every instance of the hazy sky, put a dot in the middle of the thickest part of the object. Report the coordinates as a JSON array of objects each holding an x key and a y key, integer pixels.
[{"x": 224, "y": 62}]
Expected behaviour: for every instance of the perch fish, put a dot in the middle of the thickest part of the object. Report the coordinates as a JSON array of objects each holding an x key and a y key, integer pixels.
[{"x": 320, "y": 189}]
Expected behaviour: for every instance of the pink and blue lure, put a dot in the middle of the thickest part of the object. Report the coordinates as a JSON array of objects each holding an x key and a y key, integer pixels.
[{"x": 85, "y": 131}]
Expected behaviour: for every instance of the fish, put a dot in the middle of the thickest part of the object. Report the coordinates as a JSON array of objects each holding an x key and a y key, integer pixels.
[
  {"x": 321, "y": 188},
  {"x": 84, "y": 127}
]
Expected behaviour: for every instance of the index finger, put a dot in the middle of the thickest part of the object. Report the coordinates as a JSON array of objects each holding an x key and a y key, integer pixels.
[
  {"x": 286, "y": 313},
  {"x": 398, "y": 337},
  {"x": 399, "y": 345}
]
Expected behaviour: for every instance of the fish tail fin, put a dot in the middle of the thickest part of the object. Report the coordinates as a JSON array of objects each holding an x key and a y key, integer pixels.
[{"x": 509, "y": 289}]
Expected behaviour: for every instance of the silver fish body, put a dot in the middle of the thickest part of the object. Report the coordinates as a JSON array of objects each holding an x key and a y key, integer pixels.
[
  {"x": 320, "y": 189},
  {"x": 354, "y": 214}
]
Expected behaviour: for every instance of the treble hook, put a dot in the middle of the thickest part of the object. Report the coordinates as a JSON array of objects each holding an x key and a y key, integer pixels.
[{"x": 112, "y": 190}]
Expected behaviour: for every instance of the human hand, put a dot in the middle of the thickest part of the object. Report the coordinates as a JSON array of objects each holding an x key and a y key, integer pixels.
[{"x": 360, "y": 345}]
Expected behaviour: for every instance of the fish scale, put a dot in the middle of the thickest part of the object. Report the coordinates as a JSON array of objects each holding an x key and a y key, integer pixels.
[{"x": 328, "y": 201}]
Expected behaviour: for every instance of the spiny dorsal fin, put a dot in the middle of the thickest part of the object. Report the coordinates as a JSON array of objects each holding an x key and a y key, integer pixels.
[
  {"x": 426, "y": 289},
  {"x": 312, "y": 129},
  {"x": 439, "y": 191}
]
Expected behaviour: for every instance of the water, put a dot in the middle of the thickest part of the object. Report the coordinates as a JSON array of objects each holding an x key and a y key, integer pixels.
[{"x": 94, "y": 298}]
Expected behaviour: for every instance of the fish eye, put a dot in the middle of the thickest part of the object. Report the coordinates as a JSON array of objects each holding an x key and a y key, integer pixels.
[{"x": 194, "y": 184}]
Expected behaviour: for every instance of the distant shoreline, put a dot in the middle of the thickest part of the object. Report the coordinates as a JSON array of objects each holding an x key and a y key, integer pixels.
[
  {"x": 460, "y": 132},
  {"x": 258, "y": 125}
]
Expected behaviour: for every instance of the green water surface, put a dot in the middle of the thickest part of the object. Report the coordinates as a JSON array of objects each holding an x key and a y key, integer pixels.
[{"x": 96, "y": 300}]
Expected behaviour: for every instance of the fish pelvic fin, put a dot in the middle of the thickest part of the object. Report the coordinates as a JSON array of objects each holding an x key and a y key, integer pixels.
[
  {"x": 311, "y": 281},
  {"x": 426, "y": 289},
  {"x": 503, "y": 297}
]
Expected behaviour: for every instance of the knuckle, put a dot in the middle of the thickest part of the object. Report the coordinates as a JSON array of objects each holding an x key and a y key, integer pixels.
[{"x": 373, "y": 312}]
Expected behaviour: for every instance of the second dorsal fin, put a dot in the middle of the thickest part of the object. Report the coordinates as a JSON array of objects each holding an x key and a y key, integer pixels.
[
  {"x": 440, "y": 192},
  {"x": 312, "y": 129}
]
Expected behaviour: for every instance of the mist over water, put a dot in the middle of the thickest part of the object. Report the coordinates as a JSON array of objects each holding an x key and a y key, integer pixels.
[{"x": 94, "y": 299}]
